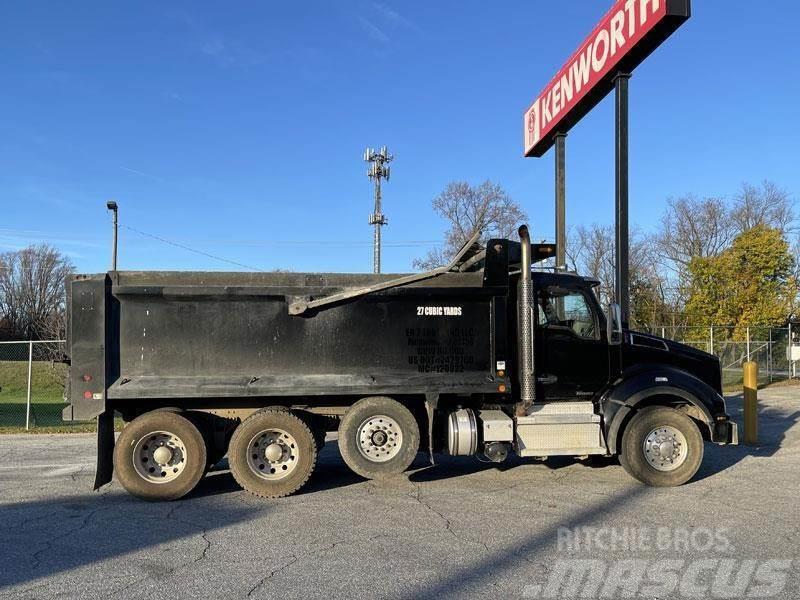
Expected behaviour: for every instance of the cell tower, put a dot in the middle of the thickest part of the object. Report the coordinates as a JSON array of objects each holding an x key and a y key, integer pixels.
[{"x": 378, "y": 168}]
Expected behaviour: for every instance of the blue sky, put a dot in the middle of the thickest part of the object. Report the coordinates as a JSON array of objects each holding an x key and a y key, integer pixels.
[{"x": 237, "y": 128}]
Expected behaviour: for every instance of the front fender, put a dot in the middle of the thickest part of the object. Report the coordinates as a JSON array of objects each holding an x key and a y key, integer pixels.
[{"x": 637, "y": 387}]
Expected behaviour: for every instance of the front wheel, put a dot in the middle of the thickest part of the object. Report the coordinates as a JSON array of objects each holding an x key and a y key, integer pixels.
[
  {"x": 661, "y": 447},
  {"x": 378, "y": 437}
]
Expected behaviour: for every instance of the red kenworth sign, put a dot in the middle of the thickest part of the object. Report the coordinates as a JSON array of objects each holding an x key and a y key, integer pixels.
[{"x": 627, "y": 34}]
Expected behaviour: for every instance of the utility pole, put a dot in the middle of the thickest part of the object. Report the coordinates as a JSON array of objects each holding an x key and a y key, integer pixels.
[
  {"x": 112, "y": 206},
  {"x": 378, "y": 168}
]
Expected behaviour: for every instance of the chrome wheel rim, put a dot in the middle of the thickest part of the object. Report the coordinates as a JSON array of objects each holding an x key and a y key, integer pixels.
[
  {"x": 272, "y": 454},
  {"x": 665, "y": 448},
  {"x": 159, "y": 457},
  {"x": 379, "y": 438}
]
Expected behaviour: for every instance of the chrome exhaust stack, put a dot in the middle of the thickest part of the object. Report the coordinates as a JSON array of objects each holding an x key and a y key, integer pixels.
[{"x": 525, "y": 326}]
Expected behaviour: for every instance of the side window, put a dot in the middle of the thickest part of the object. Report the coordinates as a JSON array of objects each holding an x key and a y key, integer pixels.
[{"x": 569, "y": 309}]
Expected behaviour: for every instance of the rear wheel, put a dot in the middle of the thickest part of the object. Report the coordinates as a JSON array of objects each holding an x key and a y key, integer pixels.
[
  {"x": 661, "y": 447},
  {"x": 378, "y": 437},
  {"x": 272, "y": 453},
  {"x": 160, "y": 455}
]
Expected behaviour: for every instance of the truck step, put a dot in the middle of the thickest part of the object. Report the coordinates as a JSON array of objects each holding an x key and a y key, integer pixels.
[
  {"x": 559, "y": 429},
  {"x": 581, "y": 407}
]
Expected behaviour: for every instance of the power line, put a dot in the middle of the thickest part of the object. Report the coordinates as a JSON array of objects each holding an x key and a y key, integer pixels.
[
  {"x": 200, "y": 252},
  {"x": 66, "y": 238},
  {"x": 323, "y": 243}
]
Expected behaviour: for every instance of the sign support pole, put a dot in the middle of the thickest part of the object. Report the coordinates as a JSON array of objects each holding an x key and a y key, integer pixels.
[
  {"x": 621, "y": 220},
  {"x": 561, "y": 200}
]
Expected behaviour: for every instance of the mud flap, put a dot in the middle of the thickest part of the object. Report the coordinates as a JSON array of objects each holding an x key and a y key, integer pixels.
[
  {"x": 105, "y": 449},
  {"x": 431, "y": 402}
]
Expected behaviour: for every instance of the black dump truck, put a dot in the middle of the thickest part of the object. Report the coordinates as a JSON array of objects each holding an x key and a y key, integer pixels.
[{"x": 484, "y": 356}]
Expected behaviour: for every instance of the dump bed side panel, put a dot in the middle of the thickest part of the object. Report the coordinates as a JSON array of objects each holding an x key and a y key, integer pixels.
[{"x": 226, "y": 341}]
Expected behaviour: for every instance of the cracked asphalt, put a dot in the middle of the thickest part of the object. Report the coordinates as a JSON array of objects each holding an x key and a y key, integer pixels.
[{"x": 460, "y": 529}]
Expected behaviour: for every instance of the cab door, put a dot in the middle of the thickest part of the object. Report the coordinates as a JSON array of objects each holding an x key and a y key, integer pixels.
[{"x": 571, "y": 352}]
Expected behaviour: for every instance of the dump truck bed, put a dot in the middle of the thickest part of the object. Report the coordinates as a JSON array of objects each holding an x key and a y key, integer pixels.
[{"x": 230, "y": 335}]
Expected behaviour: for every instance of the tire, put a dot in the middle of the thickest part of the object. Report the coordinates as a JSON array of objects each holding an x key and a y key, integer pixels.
[
  {"x": 378, "y": 437},
  {"x": 670, "y": 439},
  {"x": 277, "y": 431},
  {"x": 160, "y": 455}
]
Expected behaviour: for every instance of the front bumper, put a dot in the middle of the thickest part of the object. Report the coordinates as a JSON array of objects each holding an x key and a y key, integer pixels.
[{"x": 725, "y": 432}]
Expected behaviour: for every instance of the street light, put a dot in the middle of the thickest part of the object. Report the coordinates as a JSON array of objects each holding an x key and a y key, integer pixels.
[{"x": 112, "y": 206}]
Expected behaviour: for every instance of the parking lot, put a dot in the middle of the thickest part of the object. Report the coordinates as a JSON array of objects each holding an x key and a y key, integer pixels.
[{"x": 461, "y": 528}]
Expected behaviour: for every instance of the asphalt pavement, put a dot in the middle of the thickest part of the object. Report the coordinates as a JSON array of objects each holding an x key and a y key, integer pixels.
[{"x": 524, "y": 529}]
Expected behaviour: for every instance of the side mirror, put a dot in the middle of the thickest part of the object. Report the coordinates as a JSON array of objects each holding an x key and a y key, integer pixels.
[{"x": 614, "y": 324}]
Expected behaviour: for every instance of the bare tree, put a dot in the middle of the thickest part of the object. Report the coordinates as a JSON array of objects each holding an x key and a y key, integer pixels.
[
  {"x": 693, "y": 227},
  {"x": 486, "y": 208},
  {"x": 32, "y": 292},
  {"x": 766, "y": 205},
  {"x": 591, "y": 252},
  {"x": 654, "y": 299}
]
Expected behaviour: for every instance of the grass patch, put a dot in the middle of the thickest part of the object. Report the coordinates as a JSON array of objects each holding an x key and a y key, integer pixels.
[
  {"x": 47, "y": 381},
  {"x": 47, "y": 397},
  {"x": 82, "y": 427}
]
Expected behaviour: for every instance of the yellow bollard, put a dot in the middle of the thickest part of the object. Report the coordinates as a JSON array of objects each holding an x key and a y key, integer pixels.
[{"x": 751, "y": 403}]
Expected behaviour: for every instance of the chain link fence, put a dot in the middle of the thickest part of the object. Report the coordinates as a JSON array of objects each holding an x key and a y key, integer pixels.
[
  {"x": 766, "y": 346},
  {"x": 32, "y": 380},
  {"x": 32, "y": 376}
]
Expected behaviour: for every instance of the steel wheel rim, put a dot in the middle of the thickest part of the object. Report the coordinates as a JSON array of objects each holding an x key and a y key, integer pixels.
[
  {"x": 665, "y": 448},
  {"x": 272, "y": 454},
  {"x": 159, "y": 457},
  {"x": 379, "y": 438}
]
